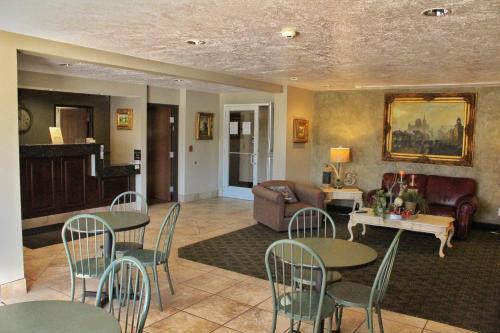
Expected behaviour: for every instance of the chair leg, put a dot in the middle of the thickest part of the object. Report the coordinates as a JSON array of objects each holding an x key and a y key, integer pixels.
[
  {"x": 330, "y": 324},
  {"x": 338, "y": 317},
  {"x": 155, "y": 277},
  {"x": 291, "y": 325},
  {"x": 72, "y": 288},
  {"x": 169, "y": 279},
  {"x": 369, "y": 320},
  {"x": 380, "y": 324},
  {"x": 298, "y": 325},
  {"x": 273, "y": 325},
  {"x": 83, "y": 290}
]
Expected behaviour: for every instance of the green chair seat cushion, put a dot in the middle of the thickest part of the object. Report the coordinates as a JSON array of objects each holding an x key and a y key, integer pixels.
[
  {"x": 351, "y": 294},
  {"x": 121, "y": 247},
  {"x": 304, "y": 305},
  {"x": 305, "y": 275},
  {"x": 91, "y": 268},
  {"x": 146, "y": 257}
]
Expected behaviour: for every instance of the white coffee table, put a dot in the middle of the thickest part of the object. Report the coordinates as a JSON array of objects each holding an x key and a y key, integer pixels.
[{"x": 441, "y": 226}]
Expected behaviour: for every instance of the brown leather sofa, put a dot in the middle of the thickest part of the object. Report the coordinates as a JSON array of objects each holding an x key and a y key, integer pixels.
[
  {"x": 446, "y": 196},
  {"x": 270, "y": 208}
]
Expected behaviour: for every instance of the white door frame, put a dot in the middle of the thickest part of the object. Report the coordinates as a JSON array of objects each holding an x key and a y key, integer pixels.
[{"x": 234, "y": 191}]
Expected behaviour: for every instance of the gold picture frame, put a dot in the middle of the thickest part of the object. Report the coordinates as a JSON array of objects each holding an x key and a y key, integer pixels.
[
  {"x": 300, "y": 130},
  {"x": 434, "y": 128},
  {"x": 124, "y": 119},
  {"x": 204, "y": 126}
]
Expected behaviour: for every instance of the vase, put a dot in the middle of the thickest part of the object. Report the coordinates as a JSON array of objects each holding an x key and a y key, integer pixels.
[{"x": 411, "y": 206}]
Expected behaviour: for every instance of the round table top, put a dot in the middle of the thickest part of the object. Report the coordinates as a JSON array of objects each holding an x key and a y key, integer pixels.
[
  {"x": 337, "y": 253},
  {"x": 56, "y": 317},
  {"x": 121, "y": 221}
]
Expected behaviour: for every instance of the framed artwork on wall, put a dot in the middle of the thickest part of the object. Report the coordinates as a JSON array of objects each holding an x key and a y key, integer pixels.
[
  {"x": 204, "y": 126},
  {"x": 429, "y": 128},
  {"x": 300, "y": 130},
  {"x": 124, "y": 119}
]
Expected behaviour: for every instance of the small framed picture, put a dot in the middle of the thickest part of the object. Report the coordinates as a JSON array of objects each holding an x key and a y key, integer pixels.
[
  {"x": 204, "y": 126},
  {"x": 124, "y": 119},
  {"x": 300, "y": 130}
]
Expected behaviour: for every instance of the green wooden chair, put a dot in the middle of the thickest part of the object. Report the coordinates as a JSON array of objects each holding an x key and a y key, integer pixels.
[
  {"x": 313, "y": 222},
  {"x": 161, "y": 252},
  {"x": 350, "y": 294},
  {"x": 131, "y": 293},
  {"x": 83, "y": 237},
  {"x": 129, "y": 201},
  {"x": 284, "y": 257}
]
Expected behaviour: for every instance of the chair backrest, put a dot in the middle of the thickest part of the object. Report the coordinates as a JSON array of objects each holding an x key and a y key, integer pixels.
[
  {"x": 311, "y": 222},
  {"x": 132, "y": 295},
  {"x": 381, "y": 282},
  {"x": 129, "y": 201},
  {"x": 291, "y": 267},
  {"x": 83, "y": 237},
  {"x": 166, "y": 234}
]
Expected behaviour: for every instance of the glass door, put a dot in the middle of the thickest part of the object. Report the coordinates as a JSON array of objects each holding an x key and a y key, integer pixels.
[{"x": 247, "y": 148}]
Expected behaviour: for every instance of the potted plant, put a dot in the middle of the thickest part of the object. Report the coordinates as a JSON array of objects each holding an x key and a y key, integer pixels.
[
  {"x": 413, "y": 200},
  {"x": 379, "y": 203}
]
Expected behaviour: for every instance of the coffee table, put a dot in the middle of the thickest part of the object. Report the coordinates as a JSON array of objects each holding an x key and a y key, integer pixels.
[{"x": 441, "y": 226}]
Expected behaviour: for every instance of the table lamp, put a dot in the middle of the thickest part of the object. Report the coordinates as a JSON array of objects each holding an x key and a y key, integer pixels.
[{"x": 338, "y": 156}]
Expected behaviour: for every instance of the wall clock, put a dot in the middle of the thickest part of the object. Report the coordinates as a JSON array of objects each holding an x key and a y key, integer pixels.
[{"x": 25, "y": 119}]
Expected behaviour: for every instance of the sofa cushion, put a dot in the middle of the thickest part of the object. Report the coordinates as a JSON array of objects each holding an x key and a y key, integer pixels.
[
  {"x": 292, "y": 208},
  {"x": 287, "y": 193},
  {"x": 447, "y": 190},
  {"x": 442, "y": 210}
]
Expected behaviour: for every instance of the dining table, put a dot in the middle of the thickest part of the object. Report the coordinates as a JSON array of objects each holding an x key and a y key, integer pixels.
[
  {"x": 118, "y": 221},
  {"x": 337, "y": 255},
  {"x": 56, "y": 317},
  {"x": 121, "y": 221}
]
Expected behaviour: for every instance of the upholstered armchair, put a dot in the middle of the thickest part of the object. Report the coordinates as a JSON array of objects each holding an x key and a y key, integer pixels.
[
  {"x": 446, "y": 196},
  {"x": 271, "y": 209}
]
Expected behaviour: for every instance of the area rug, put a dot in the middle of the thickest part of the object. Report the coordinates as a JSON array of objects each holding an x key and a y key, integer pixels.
[
  {"x": 462, "y": 289},
  {"x": 42, "y": 236}
]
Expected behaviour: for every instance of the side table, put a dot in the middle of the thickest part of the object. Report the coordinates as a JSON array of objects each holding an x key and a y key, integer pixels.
[{"x": 354, "y": 194}]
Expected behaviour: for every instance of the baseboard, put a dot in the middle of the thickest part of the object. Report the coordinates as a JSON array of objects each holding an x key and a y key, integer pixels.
[
  {"x": 13, "y": 289},
  {"x": 44, "y": 221},
  {"x": 198, "y": 196}
]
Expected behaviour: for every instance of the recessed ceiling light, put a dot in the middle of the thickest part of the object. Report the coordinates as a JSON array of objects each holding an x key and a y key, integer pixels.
[
  {"x": 288, "y": 33},
  {"x": 325, "y": 86},
  {"x": 178, "y": 80},
  {"x": 64, "y": 64},
  {"x": 196, "y": 42},
  {"x": 438, "y": 12},
  {"x": 294, "y": 78}
]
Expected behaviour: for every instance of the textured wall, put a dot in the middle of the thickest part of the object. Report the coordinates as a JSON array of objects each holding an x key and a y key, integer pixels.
[{"x": 355, "y": 119}]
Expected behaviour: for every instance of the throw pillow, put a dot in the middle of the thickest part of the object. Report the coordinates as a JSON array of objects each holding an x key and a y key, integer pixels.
[{"x": 288, "y": 194}]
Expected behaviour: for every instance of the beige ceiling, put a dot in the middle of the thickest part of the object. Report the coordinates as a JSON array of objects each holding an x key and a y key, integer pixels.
[
  {"x": 342, "y": 43},
  {"x": 51, "y": 65}
]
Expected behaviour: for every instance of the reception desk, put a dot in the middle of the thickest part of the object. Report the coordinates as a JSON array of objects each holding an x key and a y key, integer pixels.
[{"x": 69, "y": 177}]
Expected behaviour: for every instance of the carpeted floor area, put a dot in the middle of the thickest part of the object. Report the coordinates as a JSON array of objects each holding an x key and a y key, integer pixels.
[{"x": 462, "y": 289}]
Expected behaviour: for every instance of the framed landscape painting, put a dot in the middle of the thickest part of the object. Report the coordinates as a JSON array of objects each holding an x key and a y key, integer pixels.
[
  {"x": 124, "y": 119},
  {"x": 300, "y": 130},
  {"x": 204, "y": 126},
  {"x": 429, "y": 128}
]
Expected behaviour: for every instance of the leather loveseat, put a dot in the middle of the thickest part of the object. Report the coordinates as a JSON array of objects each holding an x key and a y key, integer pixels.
[
  {"x": 446, "y": 196},
  {"x": 270, "y": 207}
]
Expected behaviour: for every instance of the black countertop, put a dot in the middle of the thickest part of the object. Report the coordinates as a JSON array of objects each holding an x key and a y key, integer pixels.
[{"x": 103, "y": 169}]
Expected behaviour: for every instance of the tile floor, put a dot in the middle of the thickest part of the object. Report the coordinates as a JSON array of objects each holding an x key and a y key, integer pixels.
[{"x": 207, "y": 299}]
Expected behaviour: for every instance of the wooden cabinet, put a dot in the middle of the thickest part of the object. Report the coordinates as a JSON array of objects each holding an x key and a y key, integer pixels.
[{"x": 52, "y": 185}]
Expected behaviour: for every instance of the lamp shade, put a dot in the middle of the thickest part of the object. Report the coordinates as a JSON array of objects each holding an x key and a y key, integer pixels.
[{"x": 340, "y": 155}]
